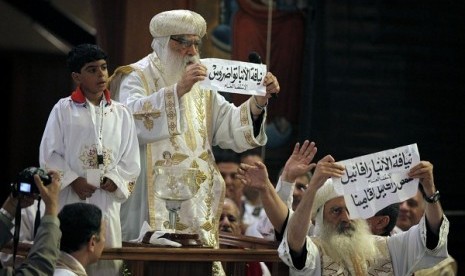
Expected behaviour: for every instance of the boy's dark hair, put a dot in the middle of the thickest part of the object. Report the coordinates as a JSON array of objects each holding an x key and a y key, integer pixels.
[
  {"x": 78, "y": 222},
  {"x": 82, "y": 54}
]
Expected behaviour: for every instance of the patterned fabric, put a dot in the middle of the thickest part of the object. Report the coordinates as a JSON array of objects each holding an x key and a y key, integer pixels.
[{"x": 182, "y": 133}]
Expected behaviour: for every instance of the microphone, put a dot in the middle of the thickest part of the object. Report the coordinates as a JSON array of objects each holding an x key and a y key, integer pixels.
[{"x": 254, "y": 57}]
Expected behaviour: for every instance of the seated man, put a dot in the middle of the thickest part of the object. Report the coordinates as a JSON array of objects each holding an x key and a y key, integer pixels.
[
  {"x": 44, "y": 252},
  {"x": 410, "y": 214},
  {"x": 230, "y": 222},
  {"x": 83, "y": 239},
  {"x": 228, "y": 163},
  {"x": 342, "y": 244},
  {"x": 251, "y": 206}
]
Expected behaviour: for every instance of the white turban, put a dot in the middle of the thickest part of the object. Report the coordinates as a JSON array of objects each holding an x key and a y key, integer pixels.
[
  {"x": 323, "y": 195},
  {"x": 177, "y": 22}
]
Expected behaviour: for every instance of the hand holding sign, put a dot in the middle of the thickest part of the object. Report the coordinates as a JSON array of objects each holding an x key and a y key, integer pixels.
[
  {"x": 372, "y": 182},
  {"x": 234, "y": 76}
]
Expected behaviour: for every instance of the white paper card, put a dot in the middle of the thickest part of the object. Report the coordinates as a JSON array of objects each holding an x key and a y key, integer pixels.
[
  {"x": 234, "y": 76},
  {"x": 374, "y": 181},
  {"x": 93, "y": 177}
]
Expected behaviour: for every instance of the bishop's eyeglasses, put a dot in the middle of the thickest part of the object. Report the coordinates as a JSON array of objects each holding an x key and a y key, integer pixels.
[{"x": 187, "y": 43}]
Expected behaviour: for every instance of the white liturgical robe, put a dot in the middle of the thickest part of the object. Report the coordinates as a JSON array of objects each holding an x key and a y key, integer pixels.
[
  {"x": 75, "y": 133},
  {"x": 180, "y": 132}
]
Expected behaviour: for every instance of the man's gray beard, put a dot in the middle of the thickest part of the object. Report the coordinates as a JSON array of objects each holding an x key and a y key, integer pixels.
[
  {"x": 344, "y": 244},
  {"x": 175, "y": 65}
]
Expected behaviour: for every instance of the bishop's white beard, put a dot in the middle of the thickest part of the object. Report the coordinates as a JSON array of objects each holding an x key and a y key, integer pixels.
[
  {"x": 344, "y": 244},
  {"x": 175, "y": 65}
]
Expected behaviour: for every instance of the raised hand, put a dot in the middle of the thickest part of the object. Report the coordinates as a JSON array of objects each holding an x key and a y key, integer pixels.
[
  {"x": 255, "y": 176},
  {"x": 195, "y": 72},
  {"x": 423, "y": 171},
  {"x": 299, "y": 162},
  {"x": 326, "y": 168},
  {"x": 272, "y": 85},
  {"x": 49, "y": 193}
]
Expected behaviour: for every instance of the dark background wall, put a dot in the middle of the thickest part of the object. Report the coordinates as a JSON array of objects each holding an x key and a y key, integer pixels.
[
  {"x": 376, "y": 75},
  {"x": 33, "y": 82},
  {"x": 384, "y": 74}
]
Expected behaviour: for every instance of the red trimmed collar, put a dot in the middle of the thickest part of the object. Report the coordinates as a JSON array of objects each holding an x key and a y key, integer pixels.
[{"x": 78, "y": 97}]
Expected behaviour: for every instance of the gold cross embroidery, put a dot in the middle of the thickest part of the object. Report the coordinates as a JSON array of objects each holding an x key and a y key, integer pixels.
[{"x": 147, "y": 114}]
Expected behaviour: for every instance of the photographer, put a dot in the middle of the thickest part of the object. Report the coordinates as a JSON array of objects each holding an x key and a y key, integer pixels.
[{"x": 45, "y": 250}]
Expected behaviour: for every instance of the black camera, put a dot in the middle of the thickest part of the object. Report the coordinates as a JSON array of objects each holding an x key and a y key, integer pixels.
[{"x": 25, "y": 183}]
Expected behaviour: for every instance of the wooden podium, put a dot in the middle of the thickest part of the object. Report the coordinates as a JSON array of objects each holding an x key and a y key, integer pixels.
[
  {"x": 235, "y": 253},
  {"x": 276, "y": 266}
]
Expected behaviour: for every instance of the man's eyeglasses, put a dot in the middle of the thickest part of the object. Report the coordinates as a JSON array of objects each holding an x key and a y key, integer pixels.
[{"x": 187, "y": 43}]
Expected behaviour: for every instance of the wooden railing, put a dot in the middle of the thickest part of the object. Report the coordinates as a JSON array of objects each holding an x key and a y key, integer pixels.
[{"x": 235, "y": 253}]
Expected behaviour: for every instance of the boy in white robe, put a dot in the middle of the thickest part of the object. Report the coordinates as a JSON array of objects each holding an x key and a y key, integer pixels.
[{"x": 92, "y": 141}]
